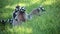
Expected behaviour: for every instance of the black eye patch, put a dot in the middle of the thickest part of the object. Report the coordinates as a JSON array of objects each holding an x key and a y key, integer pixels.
[
  {"x": 22, "y": 9},
  {"x": 42, "y": 9}
]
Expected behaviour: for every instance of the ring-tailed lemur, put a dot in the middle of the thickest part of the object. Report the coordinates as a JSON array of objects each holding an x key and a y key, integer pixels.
[
  {"x": 20, "y": 16},
  {"x": 13, "y": 16},
  {"x": 36, "y": 11}
]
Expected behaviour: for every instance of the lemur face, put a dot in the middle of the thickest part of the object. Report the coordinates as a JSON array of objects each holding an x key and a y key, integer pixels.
[
  {"x": 17, "y": 8},
  {"x": 22, "y": 9},
  {"x": 41, "y": 8}
]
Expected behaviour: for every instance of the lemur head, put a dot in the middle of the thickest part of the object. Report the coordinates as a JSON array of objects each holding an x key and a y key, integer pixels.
[
  {"x": 17, "y": 8},
  {"x": 41, "y": 8},
  {"x": 22, "y": 9}
]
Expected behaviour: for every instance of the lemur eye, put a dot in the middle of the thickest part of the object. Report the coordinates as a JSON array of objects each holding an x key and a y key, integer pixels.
[{"x": 42, "y": 8}]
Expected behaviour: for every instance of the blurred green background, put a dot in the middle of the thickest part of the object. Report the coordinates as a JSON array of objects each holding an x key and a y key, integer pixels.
[{"x": 48, "y": 23}]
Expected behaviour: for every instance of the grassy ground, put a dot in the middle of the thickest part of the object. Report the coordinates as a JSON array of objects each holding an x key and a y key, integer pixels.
[{"x": 48, "y": 23}]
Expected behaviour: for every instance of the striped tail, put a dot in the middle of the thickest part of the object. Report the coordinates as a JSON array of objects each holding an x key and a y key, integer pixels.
[{"x": 6, "y": 21}]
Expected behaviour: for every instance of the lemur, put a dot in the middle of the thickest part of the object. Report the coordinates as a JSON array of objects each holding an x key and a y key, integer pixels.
[
  {"x": 36, "y": 11},
  {"x": 20, "y": 16},
  {"x": 15, "y": 11},
  {"x": 3, "y": 21}
]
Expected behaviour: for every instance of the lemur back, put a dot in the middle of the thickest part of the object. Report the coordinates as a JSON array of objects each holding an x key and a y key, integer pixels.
[{"x": 37, "y": 11}]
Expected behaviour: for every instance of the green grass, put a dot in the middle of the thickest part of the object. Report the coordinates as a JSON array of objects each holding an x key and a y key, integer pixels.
[{"x": 48, "y": 23}]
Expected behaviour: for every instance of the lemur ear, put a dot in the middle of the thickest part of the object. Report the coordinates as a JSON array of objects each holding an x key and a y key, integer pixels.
[{"x": 42, "y": 8}]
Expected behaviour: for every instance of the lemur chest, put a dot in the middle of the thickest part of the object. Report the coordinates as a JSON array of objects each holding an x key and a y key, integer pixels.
[{"x": 21, "y": 17}]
